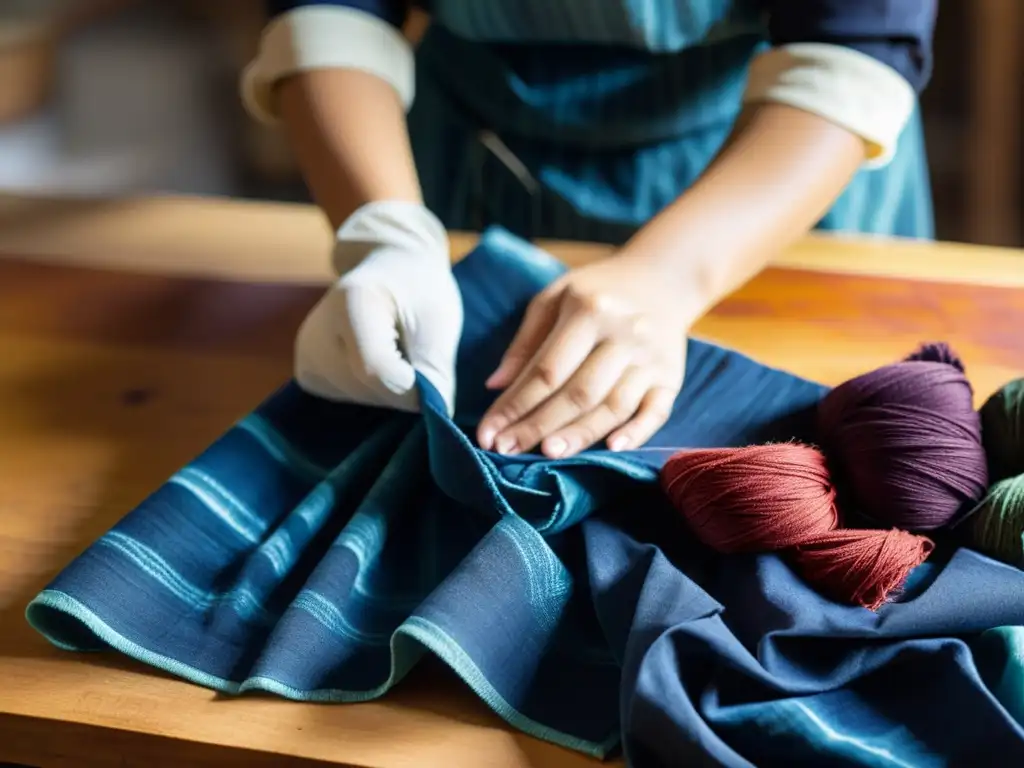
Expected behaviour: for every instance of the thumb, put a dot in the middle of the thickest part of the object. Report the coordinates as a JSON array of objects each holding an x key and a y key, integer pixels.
[{"x": 369, "y": 329}]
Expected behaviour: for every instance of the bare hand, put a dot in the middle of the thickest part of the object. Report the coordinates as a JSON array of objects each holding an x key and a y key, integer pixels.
[{"x": 600, "y": 354}]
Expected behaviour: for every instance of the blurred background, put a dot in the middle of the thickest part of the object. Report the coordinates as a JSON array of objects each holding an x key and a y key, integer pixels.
[{"x": 101, "y": 97}]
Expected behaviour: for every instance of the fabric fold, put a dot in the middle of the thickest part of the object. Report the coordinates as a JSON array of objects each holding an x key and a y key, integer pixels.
[{"x": 319, "y": 551}]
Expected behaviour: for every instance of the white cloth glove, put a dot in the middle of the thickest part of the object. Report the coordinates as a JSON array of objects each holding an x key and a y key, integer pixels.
[{"x": 395, "y": 310}]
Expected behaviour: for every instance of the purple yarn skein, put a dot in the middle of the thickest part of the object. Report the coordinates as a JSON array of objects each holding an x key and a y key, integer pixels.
[{"x": 907, "y": 440}]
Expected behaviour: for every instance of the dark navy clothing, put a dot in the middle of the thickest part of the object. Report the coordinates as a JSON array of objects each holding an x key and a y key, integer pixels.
[
  {"x": 896, "y": 32},
  {"x": 612, "y": 108}
]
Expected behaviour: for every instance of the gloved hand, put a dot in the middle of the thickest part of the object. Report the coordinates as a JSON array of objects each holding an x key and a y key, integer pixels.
[{"x": 395, "y": 310}]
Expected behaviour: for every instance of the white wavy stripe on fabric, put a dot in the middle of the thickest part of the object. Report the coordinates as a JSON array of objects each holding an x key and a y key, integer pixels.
[
  {"x": 366, "y": 532},
  {"x": 548, "y": 582},
  {"x": 326, "y": 37},
  {"x": 313, "y": 511},
  {"x": 831, "y": 734},
  {"x": 364, "y": 535},
  {"x": 221, "y": 502},
  {"x": 279, "y": 551},
  {"x": 849, "y": 88},
  {"x": 331, "y": 617},
  {"x": 246, "y": 603}
]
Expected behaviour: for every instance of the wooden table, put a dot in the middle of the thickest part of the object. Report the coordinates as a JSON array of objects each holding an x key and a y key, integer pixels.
[{"x": 128, "y": 343}]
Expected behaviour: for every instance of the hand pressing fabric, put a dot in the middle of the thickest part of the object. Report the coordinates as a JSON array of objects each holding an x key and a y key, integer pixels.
[
  {"x": 395, "y": 310},
  {"x": 600, "y": 354}
]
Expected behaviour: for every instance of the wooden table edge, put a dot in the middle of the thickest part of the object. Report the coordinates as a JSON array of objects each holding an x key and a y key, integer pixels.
[
  {"x": 26, "y": 739},
  {"x": 256, "y": 241}
]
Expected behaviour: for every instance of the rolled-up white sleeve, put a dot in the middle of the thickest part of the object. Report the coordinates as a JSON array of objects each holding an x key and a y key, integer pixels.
[
  {"x": 842, "y": 85},
  {"x": 326, "y": 37}
]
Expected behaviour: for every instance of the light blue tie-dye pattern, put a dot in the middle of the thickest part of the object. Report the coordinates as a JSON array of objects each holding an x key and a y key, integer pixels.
[{"x": 221, "y": 502}]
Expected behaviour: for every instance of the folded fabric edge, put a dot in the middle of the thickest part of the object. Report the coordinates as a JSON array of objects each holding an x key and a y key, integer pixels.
[
  {"x": 496, "y": 239},
  {"x": 451, "y": 653},
  {"x": 55, "y": 600},
  {"x": 425, "y": 633}
]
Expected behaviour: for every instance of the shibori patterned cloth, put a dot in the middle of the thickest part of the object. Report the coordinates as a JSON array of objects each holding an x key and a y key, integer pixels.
[{"x": 318, "y": 551}]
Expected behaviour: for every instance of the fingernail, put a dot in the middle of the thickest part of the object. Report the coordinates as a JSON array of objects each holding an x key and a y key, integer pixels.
[
  {"x": 618, "y": 443},
  {"x": 495, "y": 378},
  {"x": 556, "y": 446},
  {"x": 487, "y": 437},
  {"x": 505, "y": 445}
]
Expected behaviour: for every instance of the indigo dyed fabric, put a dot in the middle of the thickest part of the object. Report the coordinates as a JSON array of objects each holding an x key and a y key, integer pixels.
[
  {"x": 615, "y": 108},
  {"x": 608, "y": 138},
  {"x": 897, "y": 33},
  {"x": 318, "y": 551}
]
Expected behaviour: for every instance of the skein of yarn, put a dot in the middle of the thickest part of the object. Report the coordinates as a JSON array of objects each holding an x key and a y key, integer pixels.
[
  {"x": 907, "y": 439},
  {"x": 779, "y": 497},
  {"x": 1002, "y": 430},
  {"x": 997, "y": 527}
]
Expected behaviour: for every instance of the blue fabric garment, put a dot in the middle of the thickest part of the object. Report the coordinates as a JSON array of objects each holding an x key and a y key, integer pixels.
[
  {"x": 896, "y": 32},
  {"x": 318, "y": 550},
  {"x": 605, "y": 166},
  {"x": 608, "y": 138},
  {"x": 614, "y": 108}
]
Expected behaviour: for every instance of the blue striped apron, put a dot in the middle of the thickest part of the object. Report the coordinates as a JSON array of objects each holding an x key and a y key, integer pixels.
[{"x": 580, "y": 121}]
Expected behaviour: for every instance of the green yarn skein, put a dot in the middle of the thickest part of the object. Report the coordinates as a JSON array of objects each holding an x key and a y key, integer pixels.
[
  {"x": 1002, "y": 430},
  {"x": 997, "y": 528}
]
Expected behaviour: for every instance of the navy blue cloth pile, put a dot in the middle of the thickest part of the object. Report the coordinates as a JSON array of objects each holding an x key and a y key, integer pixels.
[{"x": 318, "y": 551}]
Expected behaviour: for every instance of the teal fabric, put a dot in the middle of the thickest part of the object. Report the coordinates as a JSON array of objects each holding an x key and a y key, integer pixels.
[
  {"x": 658, "y": 26},
  {"x": 610, "y": 133}
]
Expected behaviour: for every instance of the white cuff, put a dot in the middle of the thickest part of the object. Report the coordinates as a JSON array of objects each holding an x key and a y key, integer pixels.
[
  {"x": 844, "y": 86},
  {"x": 392, "y": 223},
  {"x": 326, "y": 37}
]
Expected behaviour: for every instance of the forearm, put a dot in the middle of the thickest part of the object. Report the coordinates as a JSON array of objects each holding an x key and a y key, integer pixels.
[
  {"x": 778, "y": 174},
  {"x": 348, "y": 132}
]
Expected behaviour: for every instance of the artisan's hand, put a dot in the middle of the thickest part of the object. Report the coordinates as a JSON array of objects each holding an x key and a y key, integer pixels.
[
  {"x": 600, "y": 354},
  {"x": 395, "y": 310}
]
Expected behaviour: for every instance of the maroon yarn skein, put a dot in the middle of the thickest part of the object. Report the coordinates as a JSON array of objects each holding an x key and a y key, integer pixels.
[{"x": 768, "y": 498}]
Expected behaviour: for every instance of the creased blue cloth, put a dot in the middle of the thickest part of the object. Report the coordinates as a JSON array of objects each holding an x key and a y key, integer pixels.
[{"x": 318, "y": 551}]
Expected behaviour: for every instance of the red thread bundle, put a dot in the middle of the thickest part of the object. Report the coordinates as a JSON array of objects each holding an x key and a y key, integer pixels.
[{"x": 780, "y": 498}]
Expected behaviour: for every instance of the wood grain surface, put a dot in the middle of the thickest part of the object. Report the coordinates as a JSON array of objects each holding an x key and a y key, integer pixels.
[{"x": 111, "y": 380}]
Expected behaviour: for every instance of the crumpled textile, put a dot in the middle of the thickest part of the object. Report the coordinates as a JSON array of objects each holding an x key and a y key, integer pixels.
[{"x": 319, "y": 550}]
